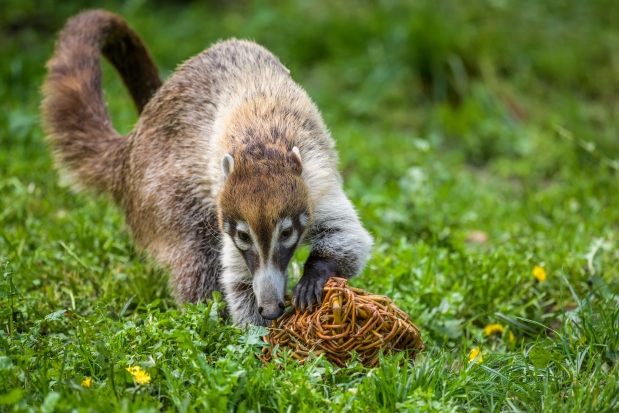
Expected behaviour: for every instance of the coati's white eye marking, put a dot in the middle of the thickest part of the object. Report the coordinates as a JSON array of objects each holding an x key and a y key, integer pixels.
[
  {"x": 227, "y": 165},
  {"x": 288, "y": 235},
  {"x": 243, "y": 238},
  {"x": 291, "y": 239},
  {"x": 284, "y": 224},
  {"x": 304, "y": 219},
  {"x": 243, "y": 241}
]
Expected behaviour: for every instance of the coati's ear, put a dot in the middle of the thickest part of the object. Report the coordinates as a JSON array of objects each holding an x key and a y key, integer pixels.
[
  {"x": 295, "y": 156},
  {"x": 295, "y": 150},
  {"x": 227, "y": 165}
]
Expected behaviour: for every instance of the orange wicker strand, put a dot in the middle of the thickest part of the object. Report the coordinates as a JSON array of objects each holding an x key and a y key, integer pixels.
[{"x": 350, "y": 319}]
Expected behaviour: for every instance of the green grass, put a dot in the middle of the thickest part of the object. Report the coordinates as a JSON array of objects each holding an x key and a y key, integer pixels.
[{"x": 450, "y": 117}]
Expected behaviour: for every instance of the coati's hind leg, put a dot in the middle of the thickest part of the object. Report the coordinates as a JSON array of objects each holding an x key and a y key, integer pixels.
[
  {"x": 194, "y": 275},
  {"x": 196, "y": 262}
]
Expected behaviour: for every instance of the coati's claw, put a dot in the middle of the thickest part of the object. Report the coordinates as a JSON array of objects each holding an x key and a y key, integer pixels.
[{"x": 308, "y": 293}]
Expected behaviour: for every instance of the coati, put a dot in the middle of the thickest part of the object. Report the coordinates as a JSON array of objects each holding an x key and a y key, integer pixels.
[{"x": 228, "y": 169}]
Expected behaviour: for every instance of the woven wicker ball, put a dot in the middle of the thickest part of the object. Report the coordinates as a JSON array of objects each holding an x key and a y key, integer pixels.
[{"x": 350, "y": 319}]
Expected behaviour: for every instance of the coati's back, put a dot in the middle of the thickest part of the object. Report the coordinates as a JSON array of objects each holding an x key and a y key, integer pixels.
[{"x": 231, "y": 95}]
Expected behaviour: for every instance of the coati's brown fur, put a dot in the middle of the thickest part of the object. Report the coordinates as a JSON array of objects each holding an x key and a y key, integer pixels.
[{"x": 228, "y": 149}]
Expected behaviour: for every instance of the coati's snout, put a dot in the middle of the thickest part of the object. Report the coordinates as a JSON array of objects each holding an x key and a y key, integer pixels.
[
  {"x": 269, "y": 286},
  {"x": 272, "y": 315}
]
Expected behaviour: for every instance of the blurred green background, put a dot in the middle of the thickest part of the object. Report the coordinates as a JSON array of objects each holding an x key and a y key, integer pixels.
[{"x": 477, "y": 140}]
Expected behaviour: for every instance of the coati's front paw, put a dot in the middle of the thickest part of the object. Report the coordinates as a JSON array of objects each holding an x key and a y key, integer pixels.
[{"x": 308, "y": 292}]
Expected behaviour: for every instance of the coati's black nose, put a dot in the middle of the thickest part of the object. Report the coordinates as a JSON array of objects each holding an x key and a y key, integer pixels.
[{"x": 273, "y": 313}]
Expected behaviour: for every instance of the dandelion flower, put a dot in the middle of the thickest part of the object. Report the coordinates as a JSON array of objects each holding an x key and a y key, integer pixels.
[
  {"x": 473, "y": 355},
  {"x": 87, "y": 382},
  {"x": 139, "y": 375},
  {"x": 539, "y": 273},
  {"x": 511, "y": 337},
  {"x": 491, "y": 329}
]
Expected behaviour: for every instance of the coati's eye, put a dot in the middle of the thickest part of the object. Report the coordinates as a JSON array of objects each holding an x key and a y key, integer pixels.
[
  {"x": 286, "y": 233},
  {"x": 243, "y": 236}
]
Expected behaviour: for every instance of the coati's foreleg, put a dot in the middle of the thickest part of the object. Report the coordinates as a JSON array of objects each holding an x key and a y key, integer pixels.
[
  {"x": 187, "y": 240},
  {"x": 339, "y": 248},
  {"x": 195, "y": 274}
]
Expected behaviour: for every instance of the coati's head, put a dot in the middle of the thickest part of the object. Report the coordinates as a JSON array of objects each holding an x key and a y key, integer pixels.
[{"x": 264, "y": 208}]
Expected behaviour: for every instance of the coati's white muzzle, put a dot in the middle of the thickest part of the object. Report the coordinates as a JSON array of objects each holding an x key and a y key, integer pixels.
[{"x": 269, "y": 286}]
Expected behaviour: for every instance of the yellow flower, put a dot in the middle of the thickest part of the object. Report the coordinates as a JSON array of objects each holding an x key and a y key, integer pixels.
[
  {"x": 140, "y": 376},
  {"x": 87, "y": 382},
  {"x": 474, "y": 353},
  {"x": 539, "y": 273},
  {"x": 491, "y": 329},
  {"x": 511, "y": 337}
]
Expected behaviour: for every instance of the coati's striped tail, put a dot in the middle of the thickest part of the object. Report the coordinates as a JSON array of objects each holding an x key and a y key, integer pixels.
[{"x": 75, "y": 116}]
